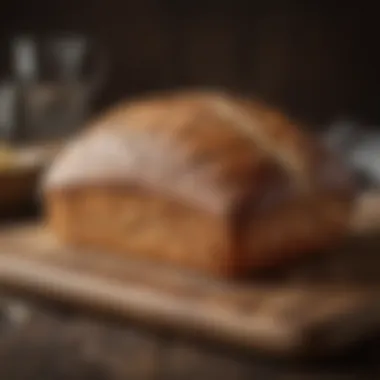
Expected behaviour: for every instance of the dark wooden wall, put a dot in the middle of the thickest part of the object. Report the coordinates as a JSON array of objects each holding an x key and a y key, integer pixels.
[{"x": 315, "y": 59}]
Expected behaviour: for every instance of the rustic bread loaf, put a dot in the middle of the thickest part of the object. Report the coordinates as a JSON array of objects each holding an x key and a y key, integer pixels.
[{"x": 203, "y": 180}]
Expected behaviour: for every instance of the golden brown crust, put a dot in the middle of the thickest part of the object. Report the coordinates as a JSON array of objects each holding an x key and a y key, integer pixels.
[
  {"x": 156, "y": 229},
  {"x": 219, "y": 143},
  {"x": 223, "y": 157}
]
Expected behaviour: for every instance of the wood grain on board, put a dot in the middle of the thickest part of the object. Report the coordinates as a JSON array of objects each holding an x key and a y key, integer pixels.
[{"x": 302, "y": 311}]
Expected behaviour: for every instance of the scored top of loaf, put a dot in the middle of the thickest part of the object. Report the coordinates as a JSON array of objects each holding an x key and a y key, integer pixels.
[{"x": 210, "y": 148}]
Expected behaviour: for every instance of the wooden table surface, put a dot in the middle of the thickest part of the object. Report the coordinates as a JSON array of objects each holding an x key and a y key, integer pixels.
[
  {"x": 41, "y": 342},
  {"x": 45, "y": 341}
]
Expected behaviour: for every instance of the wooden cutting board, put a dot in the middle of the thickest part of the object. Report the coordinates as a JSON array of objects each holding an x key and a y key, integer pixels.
[{"x": 303, "y": 312}]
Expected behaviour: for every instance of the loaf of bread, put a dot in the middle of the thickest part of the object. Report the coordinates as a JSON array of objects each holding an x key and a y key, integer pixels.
[{"x": 203, "y": 180}]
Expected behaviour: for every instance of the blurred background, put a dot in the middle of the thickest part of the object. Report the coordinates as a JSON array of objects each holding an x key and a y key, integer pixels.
[
  {"x": 317, "y": 60},
  {"x": 64, "y": 61}
]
